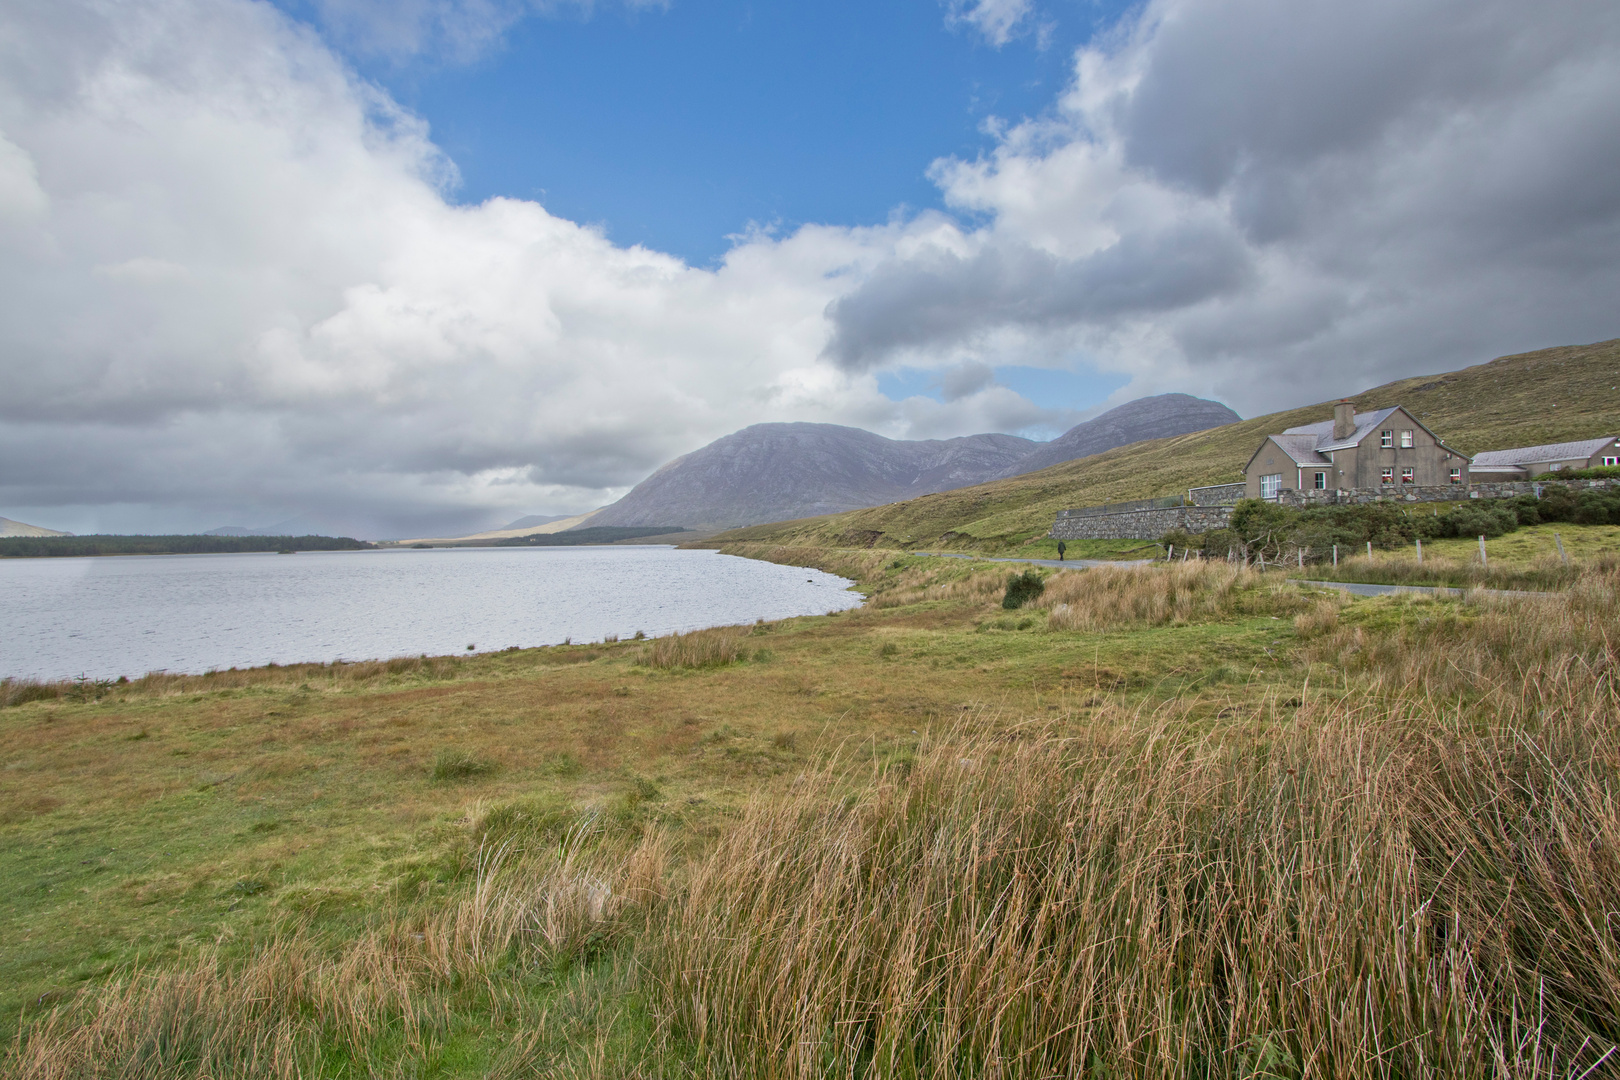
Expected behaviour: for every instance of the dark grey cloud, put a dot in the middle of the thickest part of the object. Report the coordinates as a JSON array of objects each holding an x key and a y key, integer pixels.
[{"x": 1238, "y": 190}]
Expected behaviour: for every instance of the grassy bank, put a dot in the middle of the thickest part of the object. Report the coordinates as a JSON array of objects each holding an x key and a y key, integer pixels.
[{"x": 1164, "y": 821}]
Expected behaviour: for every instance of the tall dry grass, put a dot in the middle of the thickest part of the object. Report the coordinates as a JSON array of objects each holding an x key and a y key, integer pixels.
[
  {"x": 1509, "y": 651},
  {"x": 699, "y": 649},
  {"x": 379, "y": 1003},
  {"x": 1357, "y": 892},
  {"x": 1124, "y": 598}
]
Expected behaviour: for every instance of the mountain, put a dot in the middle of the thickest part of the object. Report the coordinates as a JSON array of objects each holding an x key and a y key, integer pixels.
[
  {"x": 1155, "y": 417},
  {"x": 777, "y": 472},
  {"x": 17, "y": 528},
  {"x": 231, "y": 530},
  {"x": 532, "y": 520},
  {"x": 772, "y": 472},
  {"x": 1552, "y": 395}
]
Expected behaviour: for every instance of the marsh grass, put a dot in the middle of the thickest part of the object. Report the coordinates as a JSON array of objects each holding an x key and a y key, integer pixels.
[
  {"x": 1126, "y": 598},
  {"x": 699, "y": 649},
  {"x": 1355, "y": 891},
  {"x": 451, "y": 765},
  {"x": 1544, "y": 574}
]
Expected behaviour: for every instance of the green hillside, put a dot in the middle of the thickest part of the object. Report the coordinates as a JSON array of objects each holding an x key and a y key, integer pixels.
[{"x": 1553, "y": 395}]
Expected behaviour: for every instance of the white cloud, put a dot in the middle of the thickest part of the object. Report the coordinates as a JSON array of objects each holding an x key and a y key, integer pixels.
[
  {"x": 232, "y": 290},
  {"x": 997, "y": 20}
]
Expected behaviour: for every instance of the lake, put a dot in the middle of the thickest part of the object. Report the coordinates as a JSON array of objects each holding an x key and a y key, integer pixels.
[{"x": 128, "y": 615}]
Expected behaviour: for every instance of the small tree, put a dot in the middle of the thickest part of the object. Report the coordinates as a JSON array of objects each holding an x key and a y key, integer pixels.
[{"x": 1022, "y": 588}]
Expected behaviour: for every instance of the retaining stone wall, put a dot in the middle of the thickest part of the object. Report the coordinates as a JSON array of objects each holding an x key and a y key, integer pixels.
[
  {"x": 1141, "y": 524},
  {"x": 1216, "y": 495},
  {"x": 1152, "y": 524},
  {"x": 1506, "y": 489}
]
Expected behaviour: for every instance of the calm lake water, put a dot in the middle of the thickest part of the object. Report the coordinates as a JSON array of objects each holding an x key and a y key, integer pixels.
[{"x": 128, "y": 615}]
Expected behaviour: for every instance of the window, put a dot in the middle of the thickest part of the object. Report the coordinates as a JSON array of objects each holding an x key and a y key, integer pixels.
[
  {"x": 1407, "y": 477},
  {"x": 1321, "y": 481},
  {"x": 1611, "y": 461},
  {"x": 1388, "y": 477},
  {"x": 1270, "y": 485},
  {"x": 1386, "y": 439},
  {"x": 1406, "y": 440},
  {"x": 1456, "y": 476}
]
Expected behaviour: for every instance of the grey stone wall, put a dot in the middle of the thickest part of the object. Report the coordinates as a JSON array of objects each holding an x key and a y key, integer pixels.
[
  {"x": 1216, "y": 494},
  {"x": 1141, "y": 524},
  {"x": 1438, "y": 493},
  {"x": 1152, "y": 524}
]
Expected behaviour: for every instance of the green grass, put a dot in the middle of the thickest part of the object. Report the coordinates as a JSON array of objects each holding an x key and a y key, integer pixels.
[{"x": 1491, "y": 406}]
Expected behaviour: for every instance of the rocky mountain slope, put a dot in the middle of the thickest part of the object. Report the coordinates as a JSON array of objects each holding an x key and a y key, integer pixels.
[
  {"x": 1552, "y": 395},
  {"x": 778, "y": 472},
  {"x": 1156, "y": 417}
]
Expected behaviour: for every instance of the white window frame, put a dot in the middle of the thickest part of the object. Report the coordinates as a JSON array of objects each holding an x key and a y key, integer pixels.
[
  {"x": 1408, "y": 476},
  {"x": 1386, "y": 439},
  {"x": 1456, "y": 476},
  {"x": 1408, "y": 439},
  {"x": 1611, "y": 461},
  {"x": 1271, "y": 485},
  {"x": 1387, "y": 477},
  {"x": 1321, "y": 481}
]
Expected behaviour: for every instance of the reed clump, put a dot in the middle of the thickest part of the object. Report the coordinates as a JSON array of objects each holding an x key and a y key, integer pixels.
[
  {"x": 699, "y": 649},
  {"x": 1359, "y": 892},
  {"x": 1125, "y": 598}
]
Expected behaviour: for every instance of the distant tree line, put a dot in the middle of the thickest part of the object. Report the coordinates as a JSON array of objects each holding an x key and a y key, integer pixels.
[
  {"x": 1271, "y": 531},
  {"x": 596, "y": 534},
  {"x": 49, "y": 546}
]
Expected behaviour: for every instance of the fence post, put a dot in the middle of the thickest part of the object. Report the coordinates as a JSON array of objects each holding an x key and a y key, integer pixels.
[
  {"x": 1301, "y": 553},
  {"x": 1420, "y": 551},
  {"x": 1335, "y": 556},
  {"x": 1171, "y": 557},
  {"x": 1369, "y": 551},
  {"x": 1483, "y": 561},
  {"x": 1560, "y": 542}
]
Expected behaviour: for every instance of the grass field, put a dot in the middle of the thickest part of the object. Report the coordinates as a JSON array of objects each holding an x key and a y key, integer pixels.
[{"x": 1167, "y": 821}]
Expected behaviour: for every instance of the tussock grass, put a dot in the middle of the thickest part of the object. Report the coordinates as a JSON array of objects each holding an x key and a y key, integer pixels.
[
  {"x": 451, "y": 765},
  {"x": 699, "y": 649},
  {"x": 1132, "y": 597},
  {"x": 1360, "y": 891},
  {"x": 297, "y": 1007}
]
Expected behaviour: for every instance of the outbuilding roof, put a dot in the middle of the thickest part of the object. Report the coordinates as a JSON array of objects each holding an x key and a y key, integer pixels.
[
  {"x": 1301, "y": 449},
  {"x": 1531, "y": 455}
]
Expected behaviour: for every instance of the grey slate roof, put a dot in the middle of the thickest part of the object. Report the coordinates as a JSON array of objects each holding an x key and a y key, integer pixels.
[
  {"x": 1301, "y": 448},
  {"x": 1530, "y": 455},
  {"x": 1321, "y": 432}
]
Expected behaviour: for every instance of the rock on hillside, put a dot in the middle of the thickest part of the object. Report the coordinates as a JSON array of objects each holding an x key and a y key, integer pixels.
[
  {"x": 18, "y": 528},
  {"x": 1156, "y": 417},
  {"x": 777, "y": 472}
]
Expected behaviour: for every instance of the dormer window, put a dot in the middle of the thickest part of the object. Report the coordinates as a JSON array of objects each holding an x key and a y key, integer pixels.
[
  {"x": 1386, "y": 439},
  {"x": 1406, "y": 440}
]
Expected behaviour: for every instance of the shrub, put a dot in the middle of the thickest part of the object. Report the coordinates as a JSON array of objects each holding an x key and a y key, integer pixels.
[{"x": 1022, "y": 588}]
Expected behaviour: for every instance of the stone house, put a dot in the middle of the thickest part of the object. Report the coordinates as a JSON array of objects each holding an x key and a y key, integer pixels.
[
  {"x": 1526, "y": 461},
  {"x": 1386, "y": 449}
]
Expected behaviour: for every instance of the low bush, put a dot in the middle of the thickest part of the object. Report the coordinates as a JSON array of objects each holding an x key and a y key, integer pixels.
[{"x": 1022, "y": 589}]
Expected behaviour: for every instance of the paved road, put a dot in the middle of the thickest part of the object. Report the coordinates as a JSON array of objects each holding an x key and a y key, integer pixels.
[{"x": 1061, "y": 564}]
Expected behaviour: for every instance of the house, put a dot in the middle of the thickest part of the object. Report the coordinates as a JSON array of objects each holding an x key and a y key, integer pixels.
[
  {"x": 1527, "y": 461},
  {"x": 1388, "y": 448}
]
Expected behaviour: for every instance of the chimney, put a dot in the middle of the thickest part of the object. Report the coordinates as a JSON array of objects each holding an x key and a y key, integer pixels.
[{"x": 1344, "y": 419}]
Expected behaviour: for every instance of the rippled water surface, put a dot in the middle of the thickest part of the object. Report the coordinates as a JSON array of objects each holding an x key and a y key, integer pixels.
[{"x": 127, "y": 615}]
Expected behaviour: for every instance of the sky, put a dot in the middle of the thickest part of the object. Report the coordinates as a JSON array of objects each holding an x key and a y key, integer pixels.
[{"x": 402, "y": 268}]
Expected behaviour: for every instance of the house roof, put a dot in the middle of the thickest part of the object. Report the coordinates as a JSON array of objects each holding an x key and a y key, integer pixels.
[
  {"x": 1322, "y": 431},
  {"x": 1301, "y": 448},
  {"x": 1530, "y": 455}
]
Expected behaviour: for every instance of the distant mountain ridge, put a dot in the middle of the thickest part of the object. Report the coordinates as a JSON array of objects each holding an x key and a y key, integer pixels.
[
  {"x": 20, "y": 528},
  {"x": 781, "y": 472}
]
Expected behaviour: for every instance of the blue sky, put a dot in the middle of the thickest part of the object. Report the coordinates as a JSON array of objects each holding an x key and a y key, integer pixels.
[{"x": 678, "y": 127}]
